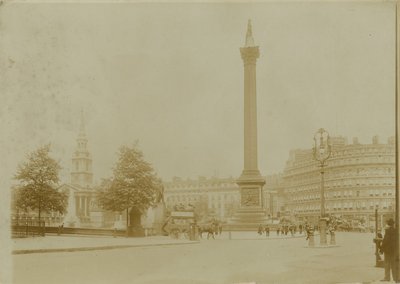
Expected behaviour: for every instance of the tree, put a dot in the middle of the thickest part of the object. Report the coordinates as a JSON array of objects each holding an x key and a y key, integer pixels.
[
  {"x": 38, "y": 178},
  {"x": 134, "y": 183}
]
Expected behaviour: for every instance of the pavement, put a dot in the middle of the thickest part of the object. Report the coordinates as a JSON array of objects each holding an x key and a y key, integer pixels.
[
  {"x": 71, "y": 243},
  {"x": 245, "y": 257}
]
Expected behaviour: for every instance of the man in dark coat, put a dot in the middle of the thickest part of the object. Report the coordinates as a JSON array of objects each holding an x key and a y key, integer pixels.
[
  {"x": 267, "y": 231},
  {"x": 260, "y": 229},
  {"x": 388, "y": 247}
]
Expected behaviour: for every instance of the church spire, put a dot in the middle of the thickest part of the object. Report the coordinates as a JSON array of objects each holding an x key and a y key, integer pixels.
[
  {"x": 249, "y": 35},
  {"x": 81, "y": 173},
  {"x": 82, "y": 132}
]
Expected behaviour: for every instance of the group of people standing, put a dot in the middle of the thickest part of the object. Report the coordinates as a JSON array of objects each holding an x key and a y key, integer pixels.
[
  {"x": 289, "y": 228},
  {"x": 284, "y": 229},
  {"x": 263, "y": 229}
]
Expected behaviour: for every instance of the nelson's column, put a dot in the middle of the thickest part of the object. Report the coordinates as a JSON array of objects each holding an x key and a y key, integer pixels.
[{"x": 251, "y": 212}]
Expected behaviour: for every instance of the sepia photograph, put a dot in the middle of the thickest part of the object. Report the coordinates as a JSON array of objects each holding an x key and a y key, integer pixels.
[{"x": 199, "y": 142}]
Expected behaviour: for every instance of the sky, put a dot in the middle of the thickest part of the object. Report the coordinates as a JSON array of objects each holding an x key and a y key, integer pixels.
[{"x": 170, "y": 76}]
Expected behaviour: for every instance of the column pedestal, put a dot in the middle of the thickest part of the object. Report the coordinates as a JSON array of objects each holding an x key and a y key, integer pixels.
[{"x": 251, "y": 212}]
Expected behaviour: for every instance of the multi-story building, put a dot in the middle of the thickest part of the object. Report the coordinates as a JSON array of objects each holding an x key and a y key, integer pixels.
[
  {"x": 274, "y": 196},
  {"x": 359, "y": 178},
  {"x": 218, "y": 197}
]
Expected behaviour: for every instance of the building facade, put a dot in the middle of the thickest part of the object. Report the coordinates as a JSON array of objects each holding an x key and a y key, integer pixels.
[
  {"x": 359, "y": 178},
  {"x": 274, "y": 195},
  {"x": 217, "y": 197}
]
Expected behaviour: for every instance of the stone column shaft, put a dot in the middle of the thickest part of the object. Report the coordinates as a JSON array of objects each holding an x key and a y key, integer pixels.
[
  {"x": 250, "y": 118},
  {"x": 249, "y": 56}
]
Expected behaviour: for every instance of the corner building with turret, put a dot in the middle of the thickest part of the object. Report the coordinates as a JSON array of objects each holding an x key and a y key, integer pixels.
[{"x": 359, "y": 178}]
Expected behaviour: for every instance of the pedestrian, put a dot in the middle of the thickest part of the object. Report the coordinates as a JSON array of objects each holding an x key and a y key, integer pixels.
[
  {"x": 278, "y": 230},
  {"x": 309, "y": 232},
  {"x": 388, "y": 248},
  {"x": 260, "y": 229},
  {"x": 267, "y": 231},
  {"x": 59, "y": 229},
  {"x": 378, "y": 241}
]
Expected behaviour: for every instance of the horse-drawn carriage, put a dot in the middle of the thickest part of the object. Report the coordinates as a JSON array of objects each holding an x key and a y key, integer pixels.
[
  {"x": 211, "y": 228},
  {"x": 180, "y": 224}
]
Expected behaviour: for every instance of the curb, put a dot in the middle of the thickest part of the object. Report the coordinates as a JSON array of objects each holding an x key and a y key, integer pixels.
[
  {"x": 265, "y": 239},
  {"x": 30, "y": 251},
  {"x": 322, "y": 247}
]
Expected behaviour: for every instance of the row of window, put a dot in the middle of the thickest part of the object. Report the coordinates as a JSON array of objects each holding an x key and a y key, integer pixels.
[
  {"x": 201, "y": 185},
  {"x": 347, "y": 205},
  {"x": 194, "y": 198},
  {"x": 179, "y": 198},
  {"x": 344, "y": 193},
  {"x": 361, "y": 154},
  {"x": 299, "y": 167},
  {"x": 343, "y": 182}
]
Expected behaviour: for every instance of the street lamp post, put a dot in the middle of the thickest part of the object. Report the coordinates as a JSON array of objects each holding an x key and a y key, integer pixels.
[{"x": 321, "y": 153}]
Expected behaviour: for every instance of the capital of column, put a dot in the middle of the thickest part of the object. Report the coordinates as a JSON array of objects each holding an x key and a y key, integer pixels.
[{"x": 250, "y": 54}]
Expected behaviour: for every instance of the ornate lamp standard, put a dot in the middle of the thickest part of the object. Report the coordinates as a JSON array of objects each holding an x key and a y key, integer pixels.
[{"x": 321, "y": 153}]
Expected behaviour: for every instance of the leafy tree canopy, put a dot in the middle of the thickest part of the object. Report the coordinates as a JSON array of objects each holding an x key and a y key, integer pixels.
[
  {"x": 38, "y": 178},
  {"x": 134, "y": 183}
]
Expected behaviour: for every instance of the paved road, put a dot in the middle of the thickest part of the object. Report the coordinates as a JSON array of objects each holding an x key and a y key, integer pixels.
[
  {"x": 80, "y": 242},
  {"x": 209, "y": 262}
]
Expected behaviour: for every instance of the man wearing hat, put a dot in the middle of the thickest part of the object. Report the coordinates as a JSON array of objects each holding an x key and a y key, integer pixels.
[{"x": 388, "y": 247}]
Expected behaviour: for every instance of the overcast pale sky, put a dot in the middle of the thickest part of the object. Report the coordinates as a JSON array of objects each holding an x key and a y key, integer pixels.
[{"x": 171, "y": 77}]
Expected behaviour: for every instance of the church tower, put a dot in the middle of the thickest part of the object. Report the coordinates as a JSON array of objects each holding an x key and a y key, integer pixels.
[{"x": 81, "y": 173}]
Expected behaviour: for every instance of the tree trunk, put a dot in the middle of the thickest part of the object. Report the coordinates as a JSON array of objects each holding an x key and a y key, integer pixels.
[
  {"x": 39, "y": 210},
  {"x": 127, "y": 222},
  {"x": 41, "y": 232}
]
